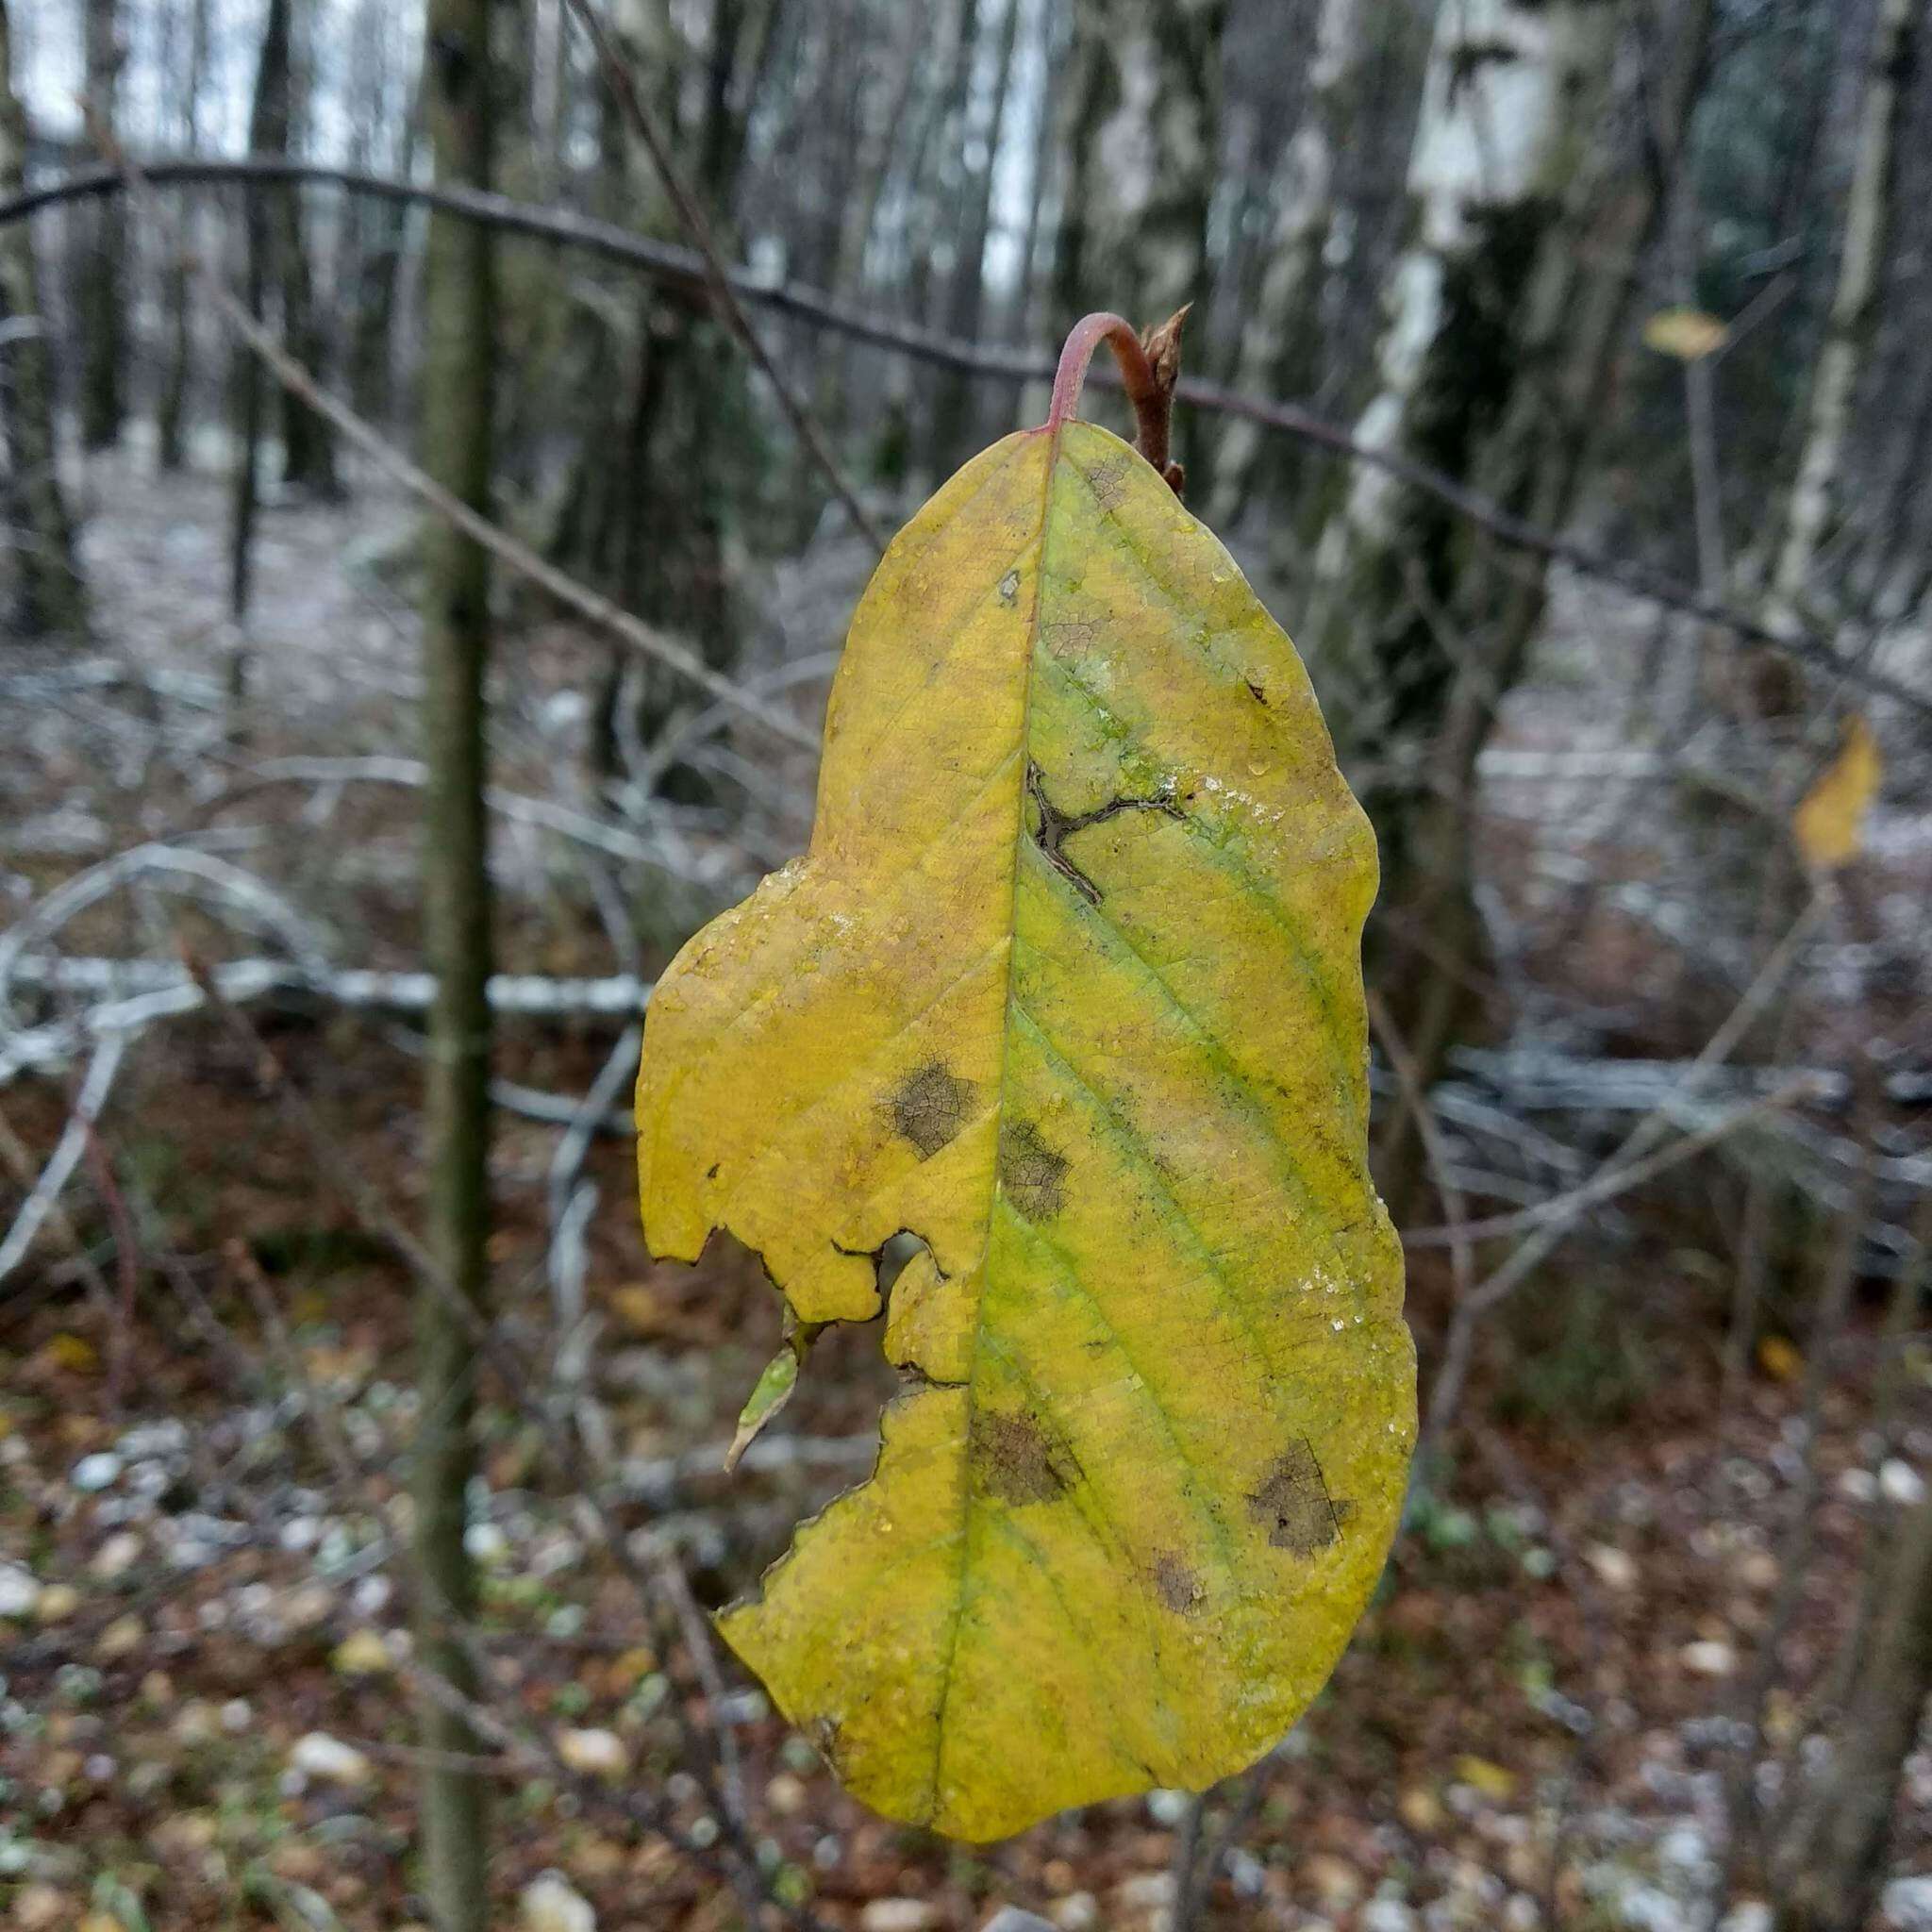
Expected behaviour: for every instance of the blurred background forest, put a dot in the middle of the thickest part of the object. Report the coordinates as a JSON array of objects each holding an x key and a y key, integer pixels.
[{"x": 1559, "y": 370}]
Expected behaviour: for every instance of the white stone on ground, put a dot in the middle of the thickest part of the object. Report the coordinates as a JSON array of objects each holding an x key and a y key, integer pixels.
[
  {"x": 551, "y": 1903},
  {"x": 1908, "y": 1903},
  {"x": 593, "y": 1753},
  {"x": 318, "y": 1754},
  {"x": 899, "y": 1915}
]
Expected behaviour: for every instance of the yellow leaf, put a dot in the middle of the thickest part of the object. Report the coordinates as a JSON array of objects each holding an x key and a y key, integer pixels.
[
  {"x": 773, "y": 1389},
  {"x": 628, "y": 1669},
  {"x": 1829, "y": 822},
  {"x": 638, "y": 1308},
  {"x": 362, "y": 1654},
  {"x": 1069, "y": 988},
  {"x": 1492, "y": 1780},
  {"x": 1422, "y": 1810},
  {"x": 1687, "y": 334},
  {"x": 1778, "y": 1358},
  {"x": 73, "y": 1352}
]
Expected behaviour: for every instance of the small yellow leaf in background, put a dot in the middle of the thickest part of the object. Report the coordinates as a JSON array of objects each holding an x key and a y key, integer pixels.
[
  {"x": 770, "y": 1394},
  {"x": 362, "y": 1654},
  {"x": 1068, "y": 988},
  {"x": 1687, "y": 334},
  {"x": 1829, "y": 822},
  {"x": 1778, "y": 1358},
  {"x": 639, "y": 1307},
  {"x": 1422, "y": 1810},
  {"x": 1490, "y": 1779},
  {"x": 73, "y": 1352},
  {"x": 628, "y": 1669}
]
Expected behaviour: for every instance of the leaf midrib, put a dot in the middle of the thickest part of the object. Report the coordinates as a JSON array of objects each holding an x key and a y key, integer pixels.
[{"x": 975, "y": 1347}]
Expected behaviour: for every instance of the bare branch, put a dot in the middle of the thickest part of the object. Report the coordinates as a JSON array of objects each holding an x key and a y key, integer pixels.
[
  {"x": 810, "y": 305},
  {"x": 67, "y": 1155}
]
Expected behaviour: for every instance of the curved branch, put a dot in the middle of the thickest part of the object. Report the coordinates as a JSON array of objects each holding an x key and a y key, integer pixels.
[{"x": 685, "y": 266}]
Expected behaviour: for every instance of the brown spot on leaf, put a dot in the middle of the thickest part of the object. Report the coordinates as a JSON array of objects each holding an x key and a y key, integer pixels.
[
  {"x": 1292, "y": 1502},
  {"x": 1179, "y": 1587},
  {"x": 930, "y": 1108},
  {"x": 1016, "y": 1460},
  {"x": 1032, "y": 1174}
]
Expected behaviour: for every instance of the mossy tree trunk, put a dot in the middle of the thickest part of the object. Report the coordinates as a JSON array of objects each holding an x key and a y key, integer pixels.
[
  {"x": 49, "y": 599},
  {"x": 458, "y": 386},
  {"x": 1501, "y": 342}
]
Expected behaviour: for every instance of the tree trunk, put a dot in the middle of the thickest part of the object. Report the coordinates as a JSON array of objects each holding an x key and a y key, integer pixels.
[
  {"x": 101, "y": 297},
  {"x": 1501, "y": 344},
  {"x": 1816, "y": 490},
  {"x": 1143, "y": 100},
  {"x": 1281, "y": 341},
  {"x": 1143, "y": 143},
  {"x": 48, "y": 596},
  {"x": 309, "y": 459},
  {"x": 1835, "y": 1863},
  {"x": 171, "y": 408},
  {"x": 952, "y": 428},
  {"x": 309, "y": 456},
  {"x": 383, "y": 231},
  {"x": 743, "y": 38},
  {"x": 458, "y": 392},
  {"x": 871, "y": 153},
  {"x": 268, "y": 133}
]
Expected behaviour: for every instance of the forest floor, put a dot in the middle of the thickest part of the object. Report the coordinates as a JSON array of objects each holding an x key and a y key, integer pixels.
[{"x": 204, "y": 1719}]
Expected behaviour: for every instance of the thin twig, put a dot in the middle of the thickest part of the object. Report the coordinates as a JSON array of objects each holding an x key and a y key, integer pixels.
[
  {"x": 68, "y": 1150},
  {"x": 1409, "y": 1078},
  {"x": 1684, "y": 1088},
  {"x": 667, "y": 1586},
  {"x": 1011, "y": 366},
  {"x": 126, "y": 1266},
  {"x": 1615, "y": 1179},
  {"x": 516, "y": 1749},
  {"x": 1553, "y": 1221},
  {"x": 13, "y": 1150}
]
